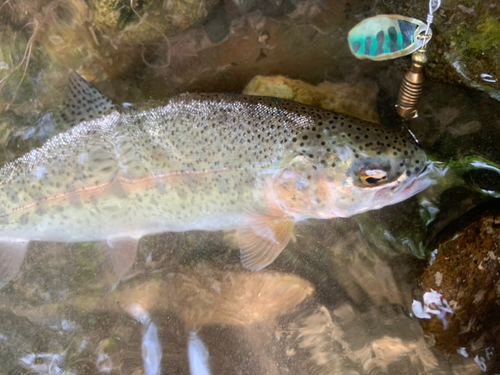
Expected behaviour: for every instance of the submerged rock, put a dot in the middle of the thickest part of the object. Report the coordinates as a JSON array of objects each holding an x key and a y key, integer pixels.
[
  {"x": 464, "y": 271},
  {"x": 338, "y": 97},
  {"x": 210, "y": 296},
  {"x": 147, "y": 21},
  {"x": 469, "y": 44}
]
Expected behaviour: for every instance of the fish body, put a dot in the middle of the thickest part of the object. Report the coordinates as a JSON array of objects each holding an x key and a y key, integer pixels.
[{"x": 199, "y": 162}]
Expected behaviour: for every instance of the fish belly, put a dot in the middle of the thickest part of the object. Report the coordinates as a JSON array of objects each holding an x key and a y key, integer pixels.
[{"x": 211, "y": 202}]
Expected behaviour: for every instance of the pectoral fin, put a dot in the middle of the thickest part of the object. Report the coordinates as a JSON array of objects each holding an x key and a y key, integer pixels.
[
  {"x": 262, "y": 239},
  {"x": 12, "y": 252},
  {"x": 122, "y": 252}
]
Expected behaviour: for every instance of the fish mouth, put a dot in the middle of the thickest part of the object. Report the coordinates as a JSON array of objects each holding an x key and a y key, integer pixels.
[
  {"x": 406, "y": 189},
  {"x": 415, "y": 179},
  {"x": 429, "y": 175},
  {"x": 426, "y": 165}
]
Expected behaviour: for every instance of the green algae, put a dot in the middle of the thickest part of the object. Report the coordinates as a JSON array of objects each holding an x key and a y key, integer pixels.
[
  {"x": 487, "y": 34},
  {"x": 464, "y": 47},
  {"x": 16, "y": 68},
  {"x": 473, "y": 51}
]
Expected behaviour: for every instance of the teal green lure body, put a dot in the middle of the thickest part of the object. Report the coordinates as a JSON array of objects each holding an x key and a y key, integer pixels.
[{"x": 385, "y": 37}]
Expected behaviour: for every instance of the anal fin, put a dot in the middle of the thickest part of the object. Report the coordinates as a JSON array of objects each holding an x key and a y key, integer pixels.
[
  {"x": 122, "y": 252},
  {"x": 12, "y": 251},
  {"x": 262, "y": 238}
]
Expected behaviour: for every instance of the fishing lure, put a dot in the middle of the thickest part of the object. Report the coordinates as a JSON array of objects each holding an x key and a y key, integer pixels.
[
  {"x": 386, "y": 37},
  {"x": 390, "y": 36}
]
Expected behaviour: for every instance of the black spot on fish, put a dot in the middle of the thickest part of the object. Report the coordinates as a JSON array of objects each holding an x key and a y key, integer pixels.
[
  {"x": 4, "y": 217},
  {"x": 24, "y": 219},
  {"x": 14, "y": 197},
  {"x": 39, "y": 211}
]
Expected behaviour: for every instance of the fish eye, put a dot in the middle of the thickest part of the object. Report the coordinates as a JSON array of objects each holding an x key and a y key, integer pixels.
[
  {"x": 373, "y": 177},
  {"x": 370, "y": 175}
]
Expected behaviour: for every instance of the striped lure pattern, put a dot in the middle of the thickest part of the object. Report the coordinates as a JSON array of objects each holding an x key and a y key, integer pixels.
[{"x": 386, "y": 37}]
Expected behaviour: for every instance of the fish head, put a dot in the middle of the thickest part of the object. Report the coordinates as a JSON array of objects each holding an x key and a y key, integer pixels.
[
  {"x": 367, "y": 180},
  {"x": 340, "y": 174}
]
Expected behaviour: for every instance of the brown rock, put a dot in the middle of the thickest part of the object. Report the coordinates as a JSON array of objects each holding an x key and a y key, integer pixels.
[
  {"x": 338, "y": 97},
  {"x": 466, "y": 271}
]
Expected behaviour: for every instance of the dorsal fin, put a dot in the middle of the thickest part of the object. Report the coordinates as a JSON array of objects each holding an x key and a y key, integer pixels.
[{"x": 82, "y": 102}]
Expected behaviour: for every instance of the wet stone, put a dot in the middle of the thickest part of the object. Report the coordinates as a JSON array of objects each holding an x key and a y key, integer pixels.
[
  {"x": 465, "y": 270},
  {"x": 337, "y": 97},
  {"x": 127, "y": 18}
]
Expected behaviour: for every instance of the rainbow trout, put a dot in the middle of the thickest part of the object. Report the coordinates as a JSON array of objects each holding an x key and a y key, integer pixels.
[{"x": 200, "y": 162}]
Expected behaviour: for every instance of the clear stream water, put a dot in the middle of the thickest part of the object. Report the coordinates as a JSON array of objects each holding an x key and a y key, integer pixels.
[{"x": 337, "y": 301}]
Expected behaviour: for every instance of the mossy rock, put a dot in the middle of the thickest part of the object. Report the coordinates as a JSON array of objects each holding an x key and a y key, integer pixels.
[
  {"x": 145, "y": 21},
  {"x": 466, "y": 42}
]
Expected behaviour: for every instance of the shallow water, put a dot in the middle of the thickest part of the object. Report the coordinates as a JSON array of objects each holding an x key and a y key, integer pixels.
[{"x": 337, "y": 301}]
